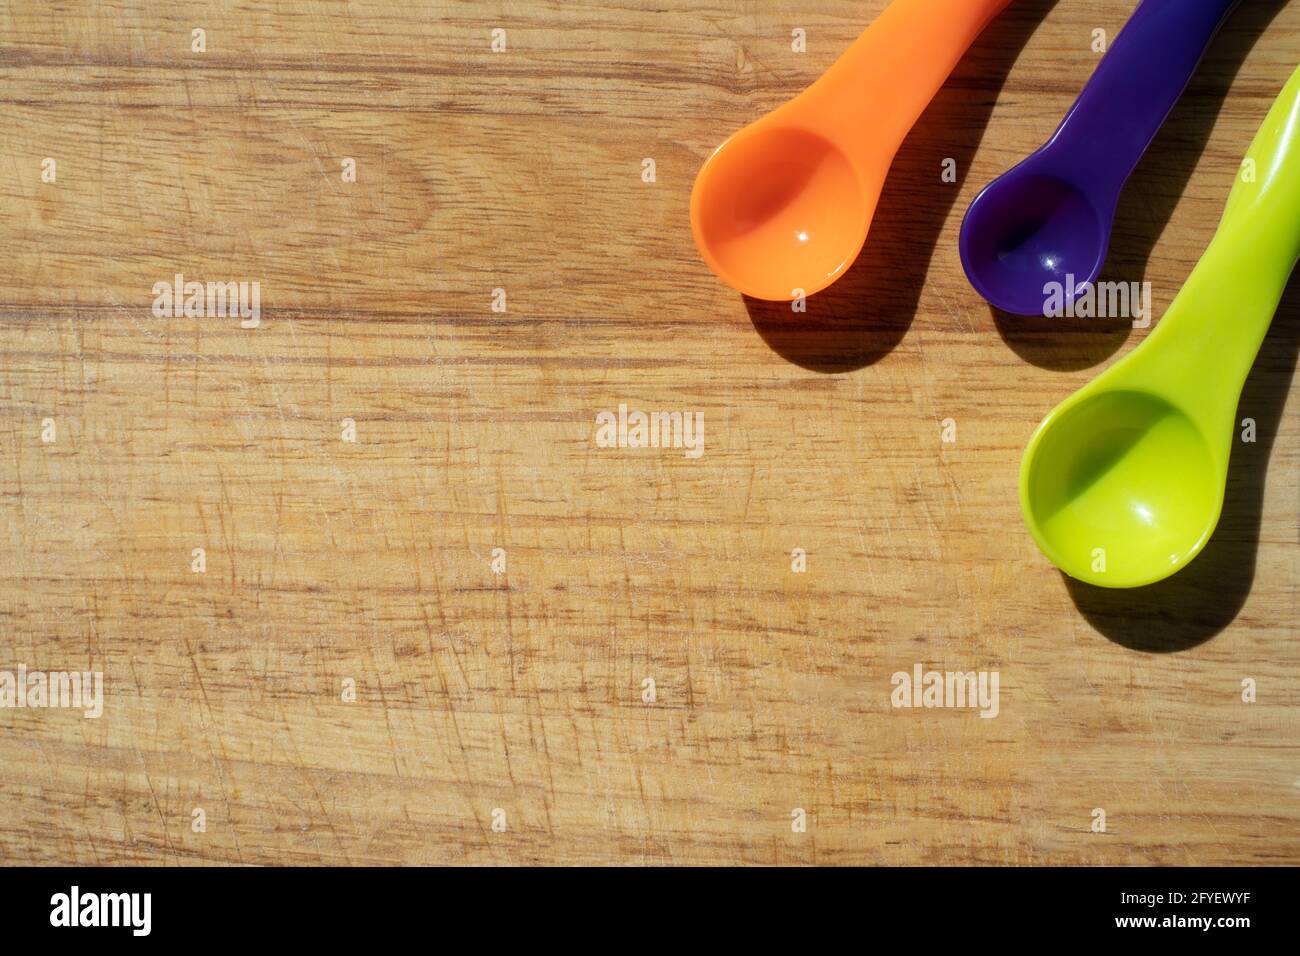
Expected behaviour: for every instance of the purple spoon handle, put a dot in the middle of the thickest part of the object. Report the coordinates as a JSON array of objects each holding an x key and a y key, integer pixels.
[{"x": 1133, "y": 89}]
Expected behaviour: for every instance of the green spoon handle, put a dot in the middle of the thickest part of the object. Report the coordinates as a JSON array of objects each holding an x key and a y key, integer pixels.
[
  {"x": 1218, "y": 320},
  {"x": 1265, "y": 200}
]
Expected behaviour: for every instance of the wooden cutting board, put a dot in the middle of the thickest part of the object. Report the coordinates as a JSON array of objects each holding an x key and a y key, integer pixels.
[{"x": 350, "y": 671}]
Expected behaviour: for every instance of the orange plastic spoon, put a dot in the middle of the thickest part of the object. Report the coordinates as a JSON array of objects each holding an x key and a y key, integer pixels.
[{"x": 782, "y": 208}]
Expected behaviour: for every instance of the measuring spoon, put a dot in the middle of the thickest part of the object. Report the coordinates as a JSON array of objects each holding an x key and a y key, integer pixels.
[
  {"x": 783, "y": 206},
  {"x": 1122, "y": 484},
  {"x": 1047, "y": 221}
]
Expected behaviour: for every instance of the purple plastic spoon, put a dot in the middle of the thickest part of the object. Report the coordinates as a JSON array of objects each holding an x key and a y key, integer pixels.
[{"x": 1049, "y": 217}]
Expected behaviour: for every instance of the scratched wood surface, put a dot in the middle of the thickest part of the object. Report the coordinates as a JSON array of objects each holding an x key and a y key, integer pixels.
[{"x": 517, "y": 699}]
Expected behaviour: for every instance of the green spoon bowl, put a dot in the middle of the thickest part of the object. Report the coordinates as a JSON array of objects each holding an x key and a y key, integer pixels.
[
  {"x": 1097, "y": 494},
  {"x": 1123, "y": 483}
]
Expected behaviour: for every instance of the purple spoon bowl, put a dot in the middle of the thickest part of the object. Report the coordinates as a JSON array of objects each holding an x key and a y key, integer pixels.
[
  {"x": 1028, "y": 229},
  {"x": 1043, "y": 226}
]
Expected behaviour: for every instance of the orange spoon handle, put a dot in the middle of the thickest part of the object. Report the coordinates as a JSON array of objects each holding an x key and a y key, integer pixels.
[{"x": 873, "y": 94}]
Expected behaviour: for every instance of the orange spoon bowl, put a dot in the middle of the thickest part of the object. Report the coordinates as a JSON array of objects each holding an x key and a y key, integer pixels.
[
  {"x": 778, "y": 210},
  {"x": 783, "y": 207}
]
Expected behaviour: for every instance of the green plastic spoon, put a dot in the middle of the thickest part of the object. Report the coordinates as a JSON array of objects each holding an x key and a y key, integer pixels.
[{"x": 1122, "y": 484}]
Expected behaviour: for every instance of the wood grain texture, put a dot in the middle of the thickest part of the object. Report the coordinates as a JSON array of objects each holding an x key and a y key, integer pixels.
[{"x": 328, "y": 560}]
